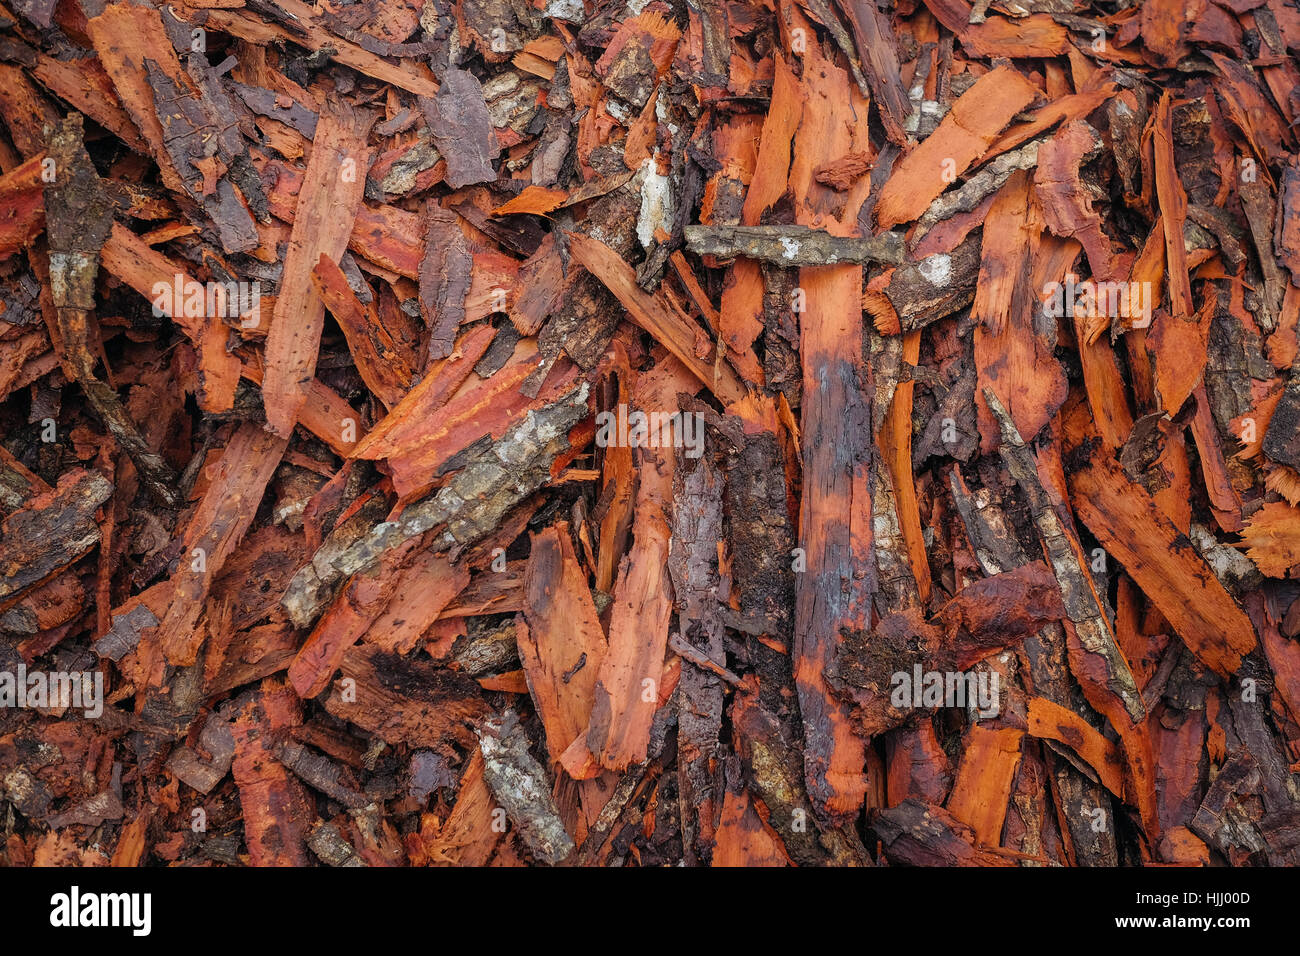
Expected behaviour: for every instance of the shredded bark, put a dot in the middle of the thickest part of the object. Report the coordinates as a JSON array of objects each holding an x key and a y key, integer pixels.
[{"x": 637, "y": 433}]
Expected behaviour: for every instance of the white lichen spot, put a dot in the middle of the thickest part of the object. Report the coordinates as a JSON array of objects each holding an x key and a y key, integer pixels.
[
  {"x": 618, "y": 110},
  {"x": 936, "y": 269},
  {"x": 1227, "y": 563},
  {"x": 791, "y": 247},
  {"x": 571, "y": 11},
  {"x": 656, "y": 203},
  {"x": 661, "y": 113},
  {"x": 500, "y": 85}
]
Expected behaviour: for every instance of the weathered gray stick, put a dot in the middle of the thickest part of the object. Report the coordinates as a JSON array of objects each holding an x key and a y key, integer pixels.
[{"x": 793, "y": 245}]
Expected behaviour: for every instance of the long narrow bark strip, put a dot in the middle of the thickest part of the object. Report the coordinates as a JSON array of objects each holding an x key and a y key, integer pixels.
[
  {"x": 79, "y": 220},
  {"x": 628, "y": 685},
  {"x": 327, "y": 206},
  {"x": 696, "y": 530},
  {"x": 1076, "y": 797},
  {"x": 1098, "y": 663},
  {"x": 564, "y": 643},
  {"x": 834, "y": 592},
  {"x": 1076, "y": 588}
]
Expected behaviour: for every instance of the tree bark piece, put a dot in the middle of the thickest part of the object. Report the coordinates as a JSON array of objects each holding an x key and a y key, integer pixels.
[
  {"x": 965, "y": 134},
  {"x": 80, "y": 219},
  {"x": 327, "y": 207},
  {"x": 792, "y": 246}
]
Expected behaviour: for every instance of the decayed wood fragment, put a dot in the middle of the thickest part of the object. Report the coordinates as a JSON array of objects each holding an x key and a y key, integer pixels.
[
  {"x": 1067, "y": 209},
  {"x": 876, "y": 45},
  {"x": 218, "y": 740},
  {"x": 191, "y": 125},
  {"x": 402, "y": 700},
  {"x": 125, "y": 36},
  {"x": 697, "y": 528},
  {"x": 1282, "y": 435}
]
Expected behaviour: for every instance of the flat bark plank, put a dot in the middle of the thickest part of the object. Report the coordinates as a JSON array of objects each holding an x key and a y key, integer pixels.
[
  {"x": 627, "y": 689},
  {"x": 327, "y": 208},
  {"x": 834, "y": 592},
  {"x": 274, "y": 803},
  {"x": 982, "y": 789}
]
